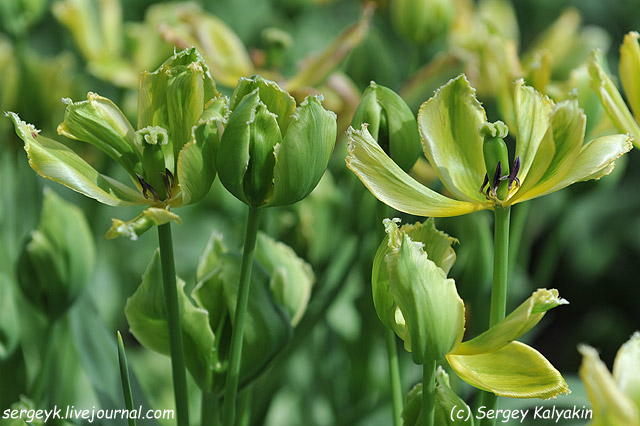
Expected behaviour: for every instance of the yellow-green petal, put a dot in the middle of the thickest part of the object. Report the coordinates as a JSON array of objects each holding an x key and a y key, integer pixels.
[
  {"x": 517, "y": 323},
  {"x": 54, "y": 161},
  {"x": 611, "y": 406},
  {"x": 137, "y": 226},
  {"x": 448, "y": 124},
  {"x": 612, "y": 100},
  {"x": 394, "y": 187},
  {"x": 515, "y": 371},
  {"x": 626, "y": 368},
  {"x": 630, "y": 71},
  {"x": 596, "y": 159}
]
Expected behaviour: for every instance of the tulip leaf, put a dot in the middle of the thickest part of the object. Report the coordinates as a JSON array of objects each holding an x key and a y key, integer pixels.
[
  {"x": 611, "y": 406},
  {"x": 612, "y": 100},
  {"x": 516, "y": 371},
  {"x": 448, "y": 124},
  {"x": 100, "y": 122},
  {"x": 297, "y": 171},
  {"x": 145, "y": 312},
  {"x": 517, "y": 323},
  {"x": 291, "y": 277},
  {"x": 53, "y": 160},
  {"x": 630, "y": 71},
  {"x": 428, "y": 300},
  {"x": 595, "y": 160},
  {"x": 626, "y": 368},
  {"x": 394, "y": 187},
  {"x": 152, "y": 216}
]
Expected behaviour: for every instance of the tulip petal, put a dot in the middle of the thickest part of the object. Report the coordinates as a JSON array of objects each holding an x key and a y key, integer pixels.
[
  {"x": 137, "y": 226},
  {"x": 448, "y": 124},
  {"x": 305, "y": 151},
  {"x": 517, "y": 323},
  {"x": 612, "y": 100},
  {"x": 596, "y": 159},
  {"x": 394, "y": 187},
  {"x": 626, "y": 368},
  {"x": 533, "y": 119},
  {"x": 54, "y": 161},
  {"x": 611, "y": 406},
  {"x": 630, "y": 71},
  {"x": 516, "y": 371},
  {"x": 100, "y": 122},
  {"x": 428, "y": 300}
]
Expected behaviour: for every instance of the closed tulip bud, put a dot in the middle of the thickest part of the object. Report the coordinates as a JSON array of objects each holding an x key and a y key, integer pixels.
[
  {"x": 272, "y": 153},
  {"x": 57, "y": 258},
  {"x": 421, "y": 20},
  {"x": 391, "y": 123}
]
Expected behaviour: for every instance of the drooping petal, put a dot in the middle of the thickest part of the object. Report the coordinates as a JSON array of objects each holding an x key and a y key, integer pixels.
[
  {"x": 559, "y": 149},
  {"x": 626, "y": 368},
  {"x": 448, "y": 124},
  {"x": 515, "y": 371},
  {"x": 394, "y": 187},
  {"x": 303, "y": 155},
  {"x": 100, "y": 122},
  {"x": 137, "y": 226},
  {"x": 612, "y": 100},
  {"x": 533, "y": 118},
  {"x": 596, "y": 159},
  {"x": 517, "y": 323},
  {"x": 429, "y": 302},
  {"x": 611, "y": 406},
  {"x": 53, "y": 160},
  {"x": 630, "y": 71}
]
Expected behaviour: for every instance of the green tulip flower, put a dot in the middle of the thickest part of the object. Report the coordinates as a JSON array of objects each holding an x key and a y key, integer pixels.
[
  {"x": 624, "y": 120},
  {"x": 414, "y": 297},
  {"x": 615, "y": 398},
  {"x": 272, "y": 153},
  {"x": 471, "y": 160},
  {"x": 422, "y": 20},
  {"x": 391, "y": 123},
  {"x": 170, "y": 159}
]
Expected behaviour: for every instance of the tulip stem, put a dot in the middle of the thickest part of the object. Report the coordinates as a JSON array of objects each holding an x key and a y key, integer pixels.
[
  {"x": 209, "y": 409},
  {"x": 173, "y": 321},
  {"x": 428, "y": 393},
  {"x": 237, "y": 333},
  {"x": 499, "y": 289}
]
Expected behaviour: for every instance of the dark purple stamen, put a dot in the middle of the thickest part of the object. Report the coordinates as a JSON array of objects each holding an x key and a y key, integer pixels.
[{"x": 146, "y": 187}]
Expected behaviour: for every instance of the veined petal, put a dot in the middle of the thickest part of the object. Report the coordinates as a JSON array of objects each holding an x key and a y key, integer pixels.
[
  {"x": 514, "y": 371},
  {"x": 517, "y": 323},
  {"x": 53, "y": 160},
  {"x": 611, "y": 407},
  {"x": 448, "y": 124},
  {"x": 100, "y": 122},
  {"x": 304, "y": 153},
  {"x": 630, "y": 71},
  {"x": 533, "y": 118},
  {"x": 394, "y": 187},
  {"x": 612, "y": 100},
  {"x": 596, "y": 159}
]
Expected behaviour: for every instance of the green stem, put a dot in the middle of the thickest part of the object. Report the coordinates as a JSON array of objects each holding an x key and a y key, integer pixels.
[
  {"x": 237, "y": 333},
  {"x": 209, "y": 409},
  {"x": 499, "y": 289},
  {"x": 244, "y": 406},
  {"x": 124, "y": 378},
  {"x": 429, "y": 393},
  {"x": 520, "y": 215},
  {"x": 172, "y": 309}
]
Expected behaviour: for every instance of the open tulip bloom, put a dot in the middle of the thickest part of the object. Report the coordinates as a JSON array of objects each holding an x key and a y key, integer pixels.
[
  {"x": 170, "y": 159},
  {"x": 467, "y": 154}
]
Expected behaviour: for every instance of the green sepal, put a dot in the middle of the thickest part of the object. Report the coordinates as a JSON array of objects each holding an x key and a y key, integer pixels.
[
  {"x": 430, "y": 314},
  {"x": 146, "y": 315},
  {"x": 291, "y": 277},
  {"x": 54, "y": 161},
  {"x": 150, "y": 217},
  {"x": 447, "y": 404},
  {"x": 391, "y": 123},
  {"x": 515, "y": 371},
  {"x": 517, "y": 323},
  {"x": 57, "y": 258},
  {"x": 100, "y": 122}
]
